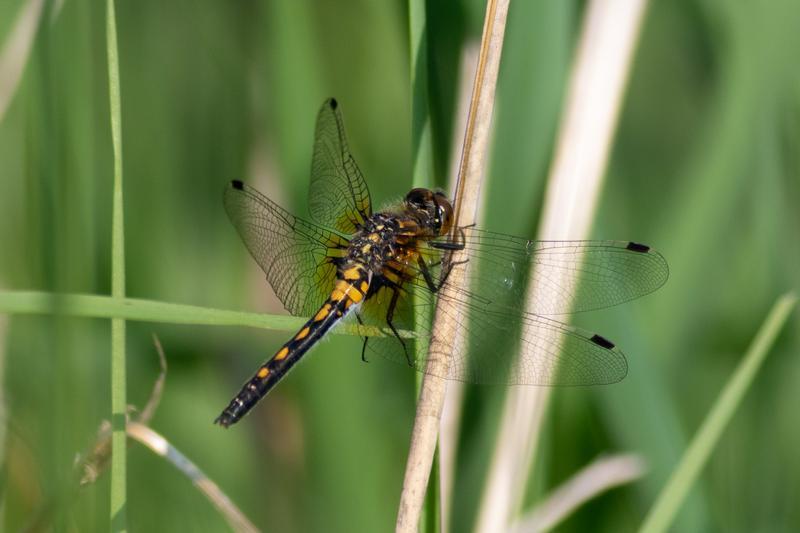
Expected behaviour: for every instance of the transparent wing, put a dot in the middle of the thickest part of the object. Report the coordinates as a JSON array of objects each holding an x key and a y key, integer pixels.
[
  {"x": 549, "y": 352},
  {"x": 491, "y": 317},
  {"x": 338, "y": 195},
  {"x": 501, "y": 346},
  {"x": 566, "y": 276},
  {"x": 295, "y": 254}
]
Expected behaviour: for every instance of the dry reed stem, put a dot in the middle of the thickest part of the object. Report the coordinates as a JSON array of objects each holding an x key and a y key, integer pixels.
[
  {"x": 158, "y": 444},
  {"x": 96, "y": 461},
  {"x": 601, "y": 475},
  {"x": 473, "y": 156},
  {"x": 158, "y": 387},
  {"x": 597, "y": 83},
  {"x": 449, "y": 425}
]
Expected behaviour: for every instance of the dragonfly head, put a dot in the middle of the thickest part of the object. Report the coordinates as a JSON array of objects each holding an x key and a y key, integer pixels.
[{"x": 432, "y": 209}]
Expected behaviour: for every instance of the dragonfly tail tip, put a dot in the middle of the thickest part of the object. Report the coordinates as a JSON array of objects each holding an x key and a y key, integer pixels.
[{"x": 223, "y": 420}]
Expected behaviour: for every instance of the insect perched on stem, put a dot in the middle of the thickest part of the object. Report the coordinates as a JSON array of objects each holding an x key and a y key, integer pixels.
[{"x": 347, "y": 261}]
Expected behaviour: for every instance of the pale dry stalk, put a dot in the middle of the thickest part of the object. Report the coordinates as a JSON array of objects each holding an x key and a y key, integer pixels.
[
  {"x": 160, "y": 446},
  {"x": 450, "y": 423},
  {"x": 473, "y": 158},
  {"x": 600, "y": 476},
  {"x": 596, "y": 86}
]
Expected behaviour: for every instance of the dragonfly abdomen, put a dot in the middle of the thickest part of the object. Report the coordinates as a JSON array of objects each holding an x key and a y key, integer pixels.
[{"x": 272, "y": 371}]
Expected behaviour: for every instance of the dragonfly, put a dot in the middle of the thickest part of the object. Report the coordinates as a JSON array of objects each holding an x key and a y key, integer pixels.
[{"x": 388, "y": 268}]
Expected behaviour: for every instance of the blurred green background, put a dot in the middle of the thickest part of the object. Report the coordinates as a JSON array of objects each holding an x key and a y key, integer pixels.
[{"x": 705, "y": 167}]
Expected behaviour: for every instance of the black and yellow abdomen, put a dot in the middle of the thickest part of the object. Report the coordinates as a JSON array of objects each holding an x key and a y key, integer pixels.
[{"x": 351, "y": 287}]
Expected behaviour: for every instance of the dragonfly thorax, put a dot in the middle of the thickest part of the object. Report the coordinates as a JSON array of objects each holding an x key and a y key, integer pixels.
[{"x": 384, "y": 239}]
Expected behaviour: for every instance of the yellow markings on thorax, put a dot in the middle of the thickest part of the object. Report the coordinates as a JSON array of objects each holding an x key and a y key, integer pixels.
[
  {"x": 282, "y": 353},
  {"x": 403, "y": 257},
  {"x": 303, "y": 333},
  {"x": 391, "y": 276},
  {"x": 407, "y": 224},
  {"x": 374, "y": 237},
  {"x": 408, "y": 230},
  {"x": 400, "y": 267},
  {"x": 263, "y": 372}
]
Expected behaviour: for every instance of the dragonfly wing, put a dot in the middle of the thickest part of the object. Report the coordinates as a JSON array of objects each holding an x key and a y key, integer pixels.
[
  {"x": 503, "y": 347},
  {"x": 295, "y": 254},
  {"x": 499, "y": 346},
  {"x": 565, "y": 276},
  {"x": 503, "y": 342},
  {"x": 338, "y": 195}
]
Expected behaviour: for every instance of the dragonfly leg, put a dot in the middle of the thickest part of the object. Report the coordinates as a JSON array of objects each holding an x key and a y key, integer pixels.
[
  {"x": 452, "y": 245},
  {"x": 449, "y": 269},
  {"x": 426, "y": 273},
  {"x": 449, "y": 246},
  {"x": 389, "y": 317},
  {"x": 364, "y": 346}
]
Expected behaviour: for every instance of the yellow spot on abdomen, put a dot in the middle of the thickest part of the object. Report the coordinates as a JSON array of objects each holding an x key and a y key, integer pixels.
[
  {"x": 355, "y": 295},
  {"x": 364, "y": 287},
  {"x": 337, "y": 295},
  {"x": 264, "y": 372},
  {"x": 322, "y": 313},
  {"x": 374, "y": 237},
  {"x": 282, "y": 353},
  {"x": 348, "y": 290},
  {"x": 352, "y": 273},
  {"x": 344, "y": 290},
  {"x": 303, "y": 333}
]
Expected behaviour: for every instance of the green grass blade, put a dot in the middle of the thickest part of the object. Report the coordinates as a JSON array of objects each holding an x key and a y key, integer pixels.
[
  {"x": 683, "y": 477},
  {"x": 118, "y": 391},
  {"x": 95, "y": 306},
  {"x": 421, "y": 137},
  {"x": 421, "y": 148},
  {"x": 421, "y": 140},
  {"x": 422, "y": 176}
]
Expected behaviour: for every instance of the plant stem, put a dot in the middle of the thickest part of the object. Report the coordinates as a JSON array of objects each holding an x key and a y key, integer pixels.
[
  {"x": 473, "y": 158},
  {"x": 96, "y": 306},
  {"x": 597, "y": 82},
  {"x": 160, "y": 446},
  {"x": 422, "y": 176},
  {"x": 118, "y": 391}
]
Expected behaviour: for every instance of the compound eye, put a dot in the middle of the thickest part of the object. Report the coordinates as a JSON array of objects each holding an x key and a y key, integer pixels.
[
  {"x": 444, "y": 214},
  {"x": 418, "y": 197}
]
